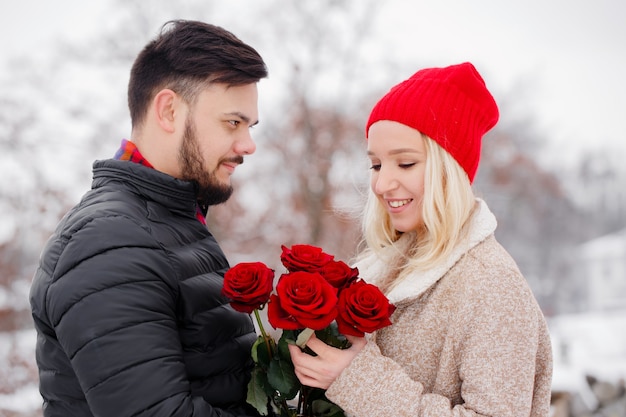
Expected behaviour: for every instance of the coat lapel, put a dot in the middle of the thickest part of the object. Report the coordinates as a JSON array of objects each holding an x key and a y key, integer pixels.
[{"x": 373, "y": 268}]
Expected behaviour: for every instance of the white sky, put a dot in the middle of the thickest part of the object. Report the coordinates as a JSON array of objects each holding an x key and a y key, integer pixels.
[{"x": 570, "y": 55}]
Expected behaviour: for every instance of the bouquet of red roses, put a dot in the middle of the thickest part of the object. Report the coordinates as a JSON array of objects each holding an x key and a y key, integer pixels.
[{"x": 317, "y": 294}]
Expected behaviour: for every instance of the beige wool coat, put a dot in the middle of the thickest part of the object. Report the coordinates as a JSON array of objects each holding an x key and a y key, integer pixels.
[{"x": 467, "y": 339}]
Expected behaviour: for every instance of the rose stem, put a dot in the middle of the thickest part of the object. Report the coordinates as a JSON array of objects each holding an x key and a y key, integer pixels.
[{"x": 265, "y": 337}]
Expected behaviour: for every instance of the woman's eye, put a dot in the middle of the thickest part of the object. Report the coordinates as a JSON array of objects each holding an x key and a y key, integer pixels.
[
  {"x": 407, "y": 166},
  {"x": 375, "y": 167}
]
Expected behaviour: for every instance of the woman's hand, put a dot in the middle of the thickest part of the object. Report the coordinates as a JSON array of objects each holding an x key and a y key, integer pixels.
[{"x": 321, "y": 371}]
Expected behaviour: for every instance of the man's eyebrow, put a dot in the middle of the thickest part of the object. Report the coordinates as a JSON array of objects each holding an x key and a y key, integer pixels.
[{"x": 243, "y": 117}]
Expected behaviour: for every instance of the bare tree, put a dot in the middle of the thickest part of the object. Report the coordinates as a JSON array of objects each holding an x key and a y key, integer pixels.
[
  {"x": 537, "y": 221},
  {"x": 310, "y": 163}
]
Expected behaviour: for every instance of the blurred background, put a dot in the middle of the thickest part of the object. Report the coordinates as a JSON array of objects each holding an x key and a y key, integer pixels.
[{"x": 552, "y": 170}]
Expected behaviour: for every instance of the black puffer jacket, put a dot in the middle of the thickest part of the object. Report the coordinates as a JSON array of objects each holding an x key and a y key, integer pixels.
[{"x": 127, "y": 306}]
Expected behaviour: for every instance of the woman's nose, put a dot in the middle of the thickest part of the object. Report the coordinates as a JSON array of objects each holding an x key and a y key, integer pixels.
[{"x": 384, "y": 181}]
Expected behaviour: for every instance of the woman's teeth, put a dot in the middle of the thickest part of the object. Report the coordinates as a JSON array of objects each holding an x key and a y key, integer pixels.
[{"x": 399, "y": 203}]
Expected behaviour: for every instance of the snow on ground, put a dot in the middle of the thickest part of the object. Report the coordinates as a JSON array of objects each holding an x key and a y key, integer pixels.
[
  {"x": 592, "y": 343},
  {"x": 24, "y": 400}
]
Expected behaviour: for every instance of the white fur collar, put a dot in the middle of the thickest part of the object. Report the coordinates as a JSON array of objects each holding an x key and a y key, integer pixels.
[{"x": 373, "y": 268}]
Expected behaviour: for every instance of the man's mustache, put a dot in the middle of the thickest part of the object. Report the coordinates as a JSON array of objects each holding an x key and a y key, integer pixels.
[{"x": 235, "y": 160}]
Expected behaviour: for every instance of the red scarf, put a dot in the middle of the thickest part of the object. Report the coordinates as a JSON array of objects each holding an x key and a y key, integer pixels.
[{"x": 129, "y": 152}]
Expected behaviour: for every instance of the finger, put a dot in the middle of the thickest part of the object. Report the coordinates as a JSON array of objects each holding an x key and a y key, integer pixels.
[
  {"x": 307, "y": 375},
  {"x": 297, "y": 356},
  {"x": 304, "y": 374},
  {"x": 311, "y": 378},
  {"x": 356, "y": 341},
  {"x": 319, "y": 347},
  {"x": 293, "y": 349},
  {"x": 309, "y": 381},
  {"x": 303, "y": 362}
]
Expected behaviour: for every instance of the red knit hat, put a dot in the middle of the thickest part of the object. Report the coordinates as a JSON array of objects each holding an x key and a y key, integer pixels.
[{"x": 451, "y": 105}]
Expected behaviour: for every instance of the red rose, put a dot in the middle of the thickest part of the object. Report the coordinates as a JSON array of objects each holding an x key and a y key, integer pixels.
[
  {"x": 304, "y": 258},
  {"x": 339, "y": 274},
  {"x": 302, "y": 299},
  {"x": 248, "y": 285},
  {"x": 363, "y": 308}
]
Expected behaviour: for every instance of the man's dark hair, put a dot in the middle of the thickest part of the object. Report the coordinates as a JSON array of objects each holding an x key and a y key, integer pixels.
[{"x": 185, "y": 57}]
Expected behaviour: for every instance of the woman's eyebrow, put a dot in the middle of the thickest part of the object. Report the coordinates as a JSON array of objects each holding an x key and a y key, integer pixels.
[{"x": 398, "y": 151}]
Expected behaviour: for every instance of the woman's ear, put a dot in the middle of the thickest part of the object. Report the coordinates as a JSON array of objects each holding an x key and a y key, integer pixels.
[{"x": 166, "y": 107}]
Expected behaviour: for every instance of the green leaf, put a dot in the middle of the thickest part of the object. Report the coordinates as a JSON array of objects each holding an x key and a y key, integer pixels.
[
  {"x": 283, "y": 349},
  {"x": 257, "y": 397},
  {"x": 289, "y": 336},
  {"x": 331, "y": 336},
  {"x": 262, "y": 351},
  {"x": 286, "y": 411},
  {"x": 315, "y": 394},
  {"x": 282, "y": 377},
  {"x": 325, "y": 408}
]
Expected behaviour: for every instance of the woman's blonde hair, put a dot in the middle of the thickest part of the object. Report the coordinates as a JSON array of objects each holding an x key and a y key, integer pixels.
[{"x": 446, "y": 208}]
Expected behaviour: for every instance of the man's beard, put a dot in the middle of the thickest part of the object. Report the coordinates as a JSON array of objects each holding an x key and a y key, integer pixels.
[{"x": 210, "y": 191}]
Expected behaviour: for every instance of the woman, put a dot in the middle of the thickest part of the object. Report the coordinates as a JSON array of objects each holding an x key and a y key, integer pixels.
[{"x": 468, "y": 337}]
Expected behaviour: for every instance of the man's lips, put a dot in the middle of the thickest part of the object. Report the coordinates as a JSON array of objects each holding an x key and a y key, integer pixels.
[{"x": 231, "y": 163}]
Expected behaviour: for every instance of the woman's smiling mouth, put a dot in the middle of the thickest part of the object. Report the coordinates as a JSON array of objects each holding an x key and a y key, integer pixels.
[{"x": 399, "y": 203}]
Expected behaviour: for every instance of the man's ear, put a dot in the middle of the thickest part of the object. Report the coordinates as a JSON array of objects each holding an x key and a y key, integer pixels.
[{"x": 166, "y": 107}]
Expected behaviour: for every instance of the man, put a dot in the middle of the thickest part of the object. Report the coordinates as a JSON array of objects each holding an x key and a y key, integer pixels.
[{"x": 126, "y": 300}]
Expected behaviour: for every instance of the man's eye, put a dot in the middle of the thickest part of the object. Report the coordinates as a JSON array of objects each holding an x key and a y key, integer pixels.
[{"x": 235, "y": 123}]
